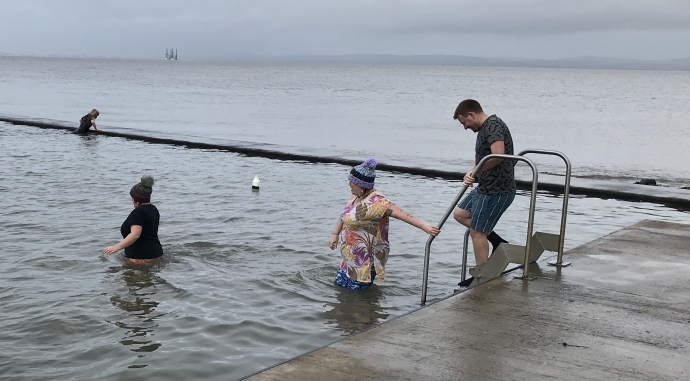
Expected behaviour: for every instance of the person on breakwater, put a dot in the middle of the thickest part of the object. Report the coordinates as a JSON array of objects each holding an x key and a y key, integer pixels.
[
  {"x": 140, "y": 229},
  {"x": 481, "y": 209},
  {"x": 87, "y": 121},
  {"x": 364, "y": 225}
]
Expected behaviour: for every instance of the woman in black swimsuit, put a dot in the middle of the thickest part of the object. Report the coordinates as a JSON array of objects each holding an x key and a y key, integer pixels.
[
  {"x": 87, "y": 121},
  {"x": 140, "y": 229}
]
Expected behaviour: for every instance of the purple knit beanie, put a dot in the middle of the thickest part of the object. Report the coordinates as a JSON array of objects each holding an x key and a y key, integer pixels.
[
  {"x": 141, "y": 192},
  {"x": 363, "y": 175}
]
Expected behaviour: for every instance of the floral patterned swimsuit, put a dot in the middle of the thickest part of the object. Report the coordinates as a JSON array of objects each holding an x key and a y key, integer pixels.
[{"x": 363, "y": 241}]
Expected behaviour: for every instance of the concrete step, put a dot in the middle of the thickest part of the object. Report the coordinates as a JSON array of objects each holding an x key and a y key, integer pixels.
[{"x": 507, "y": 253}]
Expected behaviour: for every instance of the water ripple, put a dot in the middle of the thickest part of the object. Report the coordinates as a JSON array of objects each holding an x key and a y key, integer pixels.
[{"x": 246, "y": 280}]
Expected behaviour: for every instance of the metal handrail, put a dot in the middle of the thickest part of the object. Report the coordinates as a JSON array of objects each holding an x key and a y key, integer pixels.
[
  {"x": 530, "y": 221},
  {"x": 427, "y": 250},
  {"x": 566, "y": 194},
  {"x": 465, "y": 245}
]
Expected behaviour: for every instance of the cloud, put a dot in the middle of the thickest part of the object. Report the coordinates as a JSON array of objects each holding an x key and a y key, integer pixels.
[
  {"x": 320, "y": 26},
  {"x": 530, "y": 17},
  {"x": 512, "y": 17},
  {"x": 384, "y": 16}
]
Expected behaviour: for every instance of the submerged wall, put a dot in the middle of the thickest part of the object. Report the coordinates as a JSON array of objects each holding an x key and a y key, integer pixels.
[{"x": 678, "y": 198}]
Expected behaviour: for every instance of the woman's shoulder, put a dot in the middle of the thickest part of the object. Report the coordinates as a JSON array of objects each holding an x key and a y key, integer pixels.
[
  {"x": 351, "y": 201},
  {"x": 144, "y": 210},
  {"x": 376, "y": 196},
  {"x": 149, "y": 208},
  {"x": 135, "y": 216}
]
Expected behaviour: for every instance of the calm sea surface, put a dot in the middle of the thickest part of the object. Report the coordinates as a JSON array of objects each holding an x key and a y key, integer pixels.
[
  {"x": 612, "y": 124},
  {"x": 247, "y": 276}
]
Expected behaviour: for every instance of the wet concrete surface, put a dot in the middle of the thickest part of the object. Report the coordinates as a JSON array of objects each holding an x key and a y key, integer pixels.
[
  {"x": 673, "y": 197},
  {"x": 621, "y": 311}
]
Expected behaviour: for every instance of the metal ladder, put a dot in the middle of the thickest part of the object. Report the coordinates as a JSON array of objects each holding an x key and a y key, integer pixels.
[{"x": 508, "y": 253}]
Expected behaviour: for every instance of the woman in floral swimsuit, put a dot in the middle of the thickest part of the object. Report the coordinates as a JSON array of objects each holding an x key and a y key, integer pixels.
[{"x": 362, "y": 230}]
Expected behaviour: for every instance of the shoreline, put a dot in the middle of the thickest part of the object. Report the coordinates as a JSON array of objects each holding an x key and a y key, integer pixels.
[{"x": 672, "y": 197}]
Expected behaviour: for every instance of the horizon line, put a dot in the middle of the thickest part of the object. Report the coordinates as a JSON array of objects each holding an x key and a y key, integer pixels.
[{"x": 575, "y": 62}]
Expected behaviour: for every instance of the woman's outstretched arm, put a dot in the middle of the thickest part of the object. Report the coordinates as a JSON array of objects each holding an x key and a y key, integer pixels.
[
  {"x": 333, "y": 241},
  {"x": 395, "y": 212},
  {"x": 132, "y": 237}
]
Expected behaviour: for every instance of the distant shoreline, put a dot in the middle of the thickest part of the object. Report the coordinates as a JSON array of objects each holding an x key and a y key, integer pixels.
[
  {"x": 447, "y": 60},
  {"x": 602, "y": 63}
]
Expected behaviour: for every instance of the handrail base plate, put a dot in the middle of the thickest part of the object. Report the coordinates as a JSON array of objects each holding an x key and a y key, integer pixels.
[{"x": 562, "y": 264}]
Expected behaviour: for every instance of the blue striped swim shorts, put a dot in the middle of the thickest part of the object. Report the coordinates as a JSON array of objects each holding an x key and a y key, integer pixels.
[{"x": 485, "y": 209}]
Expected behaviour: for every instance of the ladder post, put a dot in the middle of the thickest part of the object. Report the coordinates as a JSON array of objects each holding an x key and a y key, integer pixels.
[
  {"x": 465, "y": 243},
  {"x": 427, "y": 249},
  {"x": 566, "y": 193},
  {"x": 564, "y": 213},
  {"x": 530, "y": 220}
]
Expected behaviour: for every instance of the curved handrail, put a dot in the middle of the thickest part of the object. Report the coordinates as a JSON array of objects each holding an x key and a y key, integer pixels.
[
  {"x": 566, "y": 194},
  {"x": 427, "y": 250},
  {"x": 530, "y": 221},
  {"x": 465, "y": 244}
]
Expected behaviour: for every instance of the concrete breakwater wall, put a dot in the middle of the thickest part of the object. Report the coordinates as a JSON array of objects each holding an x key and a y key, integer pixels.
[{"x": 673, "y": 197}]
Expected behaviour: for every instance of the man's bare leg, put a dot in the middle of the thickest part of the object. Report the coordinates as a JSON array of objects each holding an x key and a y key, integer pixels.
[
  {"x": 481, "y": 247},
  {"x": 479, "y": 241},
  {"x": 462, "y": 216}
]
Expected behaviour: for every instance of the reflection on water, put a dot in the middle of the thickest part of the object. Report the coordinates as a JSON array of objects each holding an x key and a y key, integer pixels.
[
  {"x": 356, "y": 310},
  {"x": 89, "y": 140},
  {"x": 140, "y": 307}
]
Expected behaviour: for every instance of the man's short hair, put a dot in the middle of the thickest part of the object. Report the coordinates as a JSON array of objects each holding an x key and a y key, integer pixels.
[{"x": 467, "y": 106}]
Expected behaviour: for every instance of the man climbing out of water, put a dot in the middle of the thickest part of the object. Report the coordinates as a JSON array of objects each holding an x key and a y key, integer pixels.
[
  {"x": 87, "y": 121},
  {"x": 481, "y": 209}
]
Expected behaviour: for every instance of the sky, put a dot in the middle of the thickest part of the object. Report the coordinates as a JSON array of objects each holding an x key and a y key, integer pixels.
[{"x": 231, "y": 29}]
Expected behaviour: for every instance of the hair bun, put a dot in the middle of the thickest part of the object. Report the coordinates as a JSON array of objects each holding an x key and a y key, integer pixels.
[
  {"x": 147, "y": 181},
  {"x": 370, "y": 162}
]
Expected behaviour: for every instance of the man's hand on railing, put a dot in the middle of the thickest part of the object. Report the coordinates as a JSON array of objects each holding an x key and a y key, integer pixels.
[{"x": 468, "y": 180}]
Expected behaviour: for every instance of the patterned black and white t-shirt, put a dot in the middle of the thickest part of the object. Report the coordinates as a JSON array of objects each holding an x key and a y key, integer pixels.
[{"x": 501, "y": 178}]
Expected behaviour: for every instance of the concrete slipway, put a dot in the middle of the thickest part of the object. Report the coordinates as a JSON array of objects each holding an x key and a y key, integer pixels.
[{"x": 620, "y": 312}]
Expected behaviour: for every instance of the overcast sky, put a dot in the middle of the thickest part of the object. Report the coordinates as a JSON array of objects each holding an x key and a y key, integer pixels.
[{"x": 218, "y": 29}]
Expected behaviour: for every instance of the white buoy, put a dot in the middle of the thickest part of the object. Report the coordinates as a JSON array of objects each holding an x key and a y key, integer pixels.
[{"x": 256, "y": 182}]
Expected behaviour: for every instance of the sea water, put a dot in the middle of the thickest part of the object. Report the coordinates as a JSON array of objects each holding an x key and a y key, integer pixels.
[
  {"x": 613, "y": 124},
  {"x": 247, "y": 277}
]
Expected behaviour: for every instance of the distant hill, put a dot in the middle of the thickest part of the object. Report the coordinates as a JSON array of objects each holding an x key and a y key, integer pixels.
[
  {"x": 575, "y": 62},
  {"x": 584, "y": 62}
]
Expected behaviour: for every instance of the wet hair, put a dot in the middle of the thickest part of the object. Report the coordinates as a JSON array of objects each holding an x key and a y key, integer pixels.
[
  {"x": 141, "y": 192},
  {"x": 94, "y": 112},
  {"x": 467, "y": 106}
]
